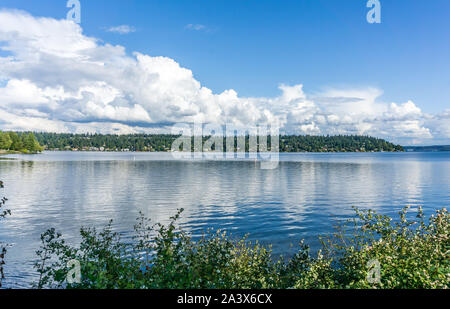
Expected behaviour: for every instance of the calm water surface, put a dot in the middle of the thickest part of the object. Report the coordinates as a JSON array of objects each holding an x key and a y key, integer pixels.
[{"x": 304, "y": 197}]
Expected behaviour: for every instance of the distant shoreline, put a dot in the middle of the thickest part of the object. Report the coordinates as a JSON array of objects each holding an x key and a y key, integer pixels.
[
  {"x": 436, "y": 148},
  {"x": 242, "y": 143},
  {"x": 407, "y": 150},
  {"x": 205, "y": 152}
]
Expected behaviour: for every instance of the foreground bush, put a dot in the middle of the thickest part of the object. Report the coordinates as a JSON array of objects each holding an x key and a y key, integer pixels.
[
  {"x": 3, "y": 214},
  {"x": 409, "y": 255}
]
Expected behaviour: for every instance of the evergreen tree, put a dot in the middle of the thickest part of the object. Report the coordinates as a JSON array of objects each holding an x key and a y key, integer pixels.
[
  {"x": 17, "y": 143},
  {"x": 5, "y": 141},
  {"x": 30, "y": 143}
]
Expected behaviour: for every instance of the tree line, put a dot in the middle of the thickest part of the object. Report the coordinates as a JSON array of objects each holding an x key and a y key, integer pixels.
[
  {"x": 25, "y": 142},
  {"x": 338, "y": 143},
  {"x": 163, "y": 142}
]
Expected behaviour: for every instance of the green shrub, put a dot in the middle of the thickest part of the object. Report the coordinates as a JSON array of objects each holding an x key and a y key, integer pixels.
[{"x": 410, "y": 254}]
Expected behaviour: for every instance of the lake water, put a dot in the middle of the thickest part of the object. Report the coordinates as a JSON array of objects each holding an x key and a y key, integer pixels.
[{"x": 304, "y": 197}]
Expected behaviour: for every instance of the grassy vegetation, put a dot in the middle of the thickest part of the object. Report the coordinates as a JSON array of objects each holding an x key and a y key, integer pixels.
[{"x": 411, "y": 254}]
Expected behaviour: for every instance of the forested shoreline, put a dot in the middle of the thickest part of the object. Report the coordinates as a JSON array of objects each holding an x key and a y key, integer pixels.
[
  {"x": 34, "y": 142},
  {"x": 163, "y": 143},
  {"x": 19, "y": 142}
]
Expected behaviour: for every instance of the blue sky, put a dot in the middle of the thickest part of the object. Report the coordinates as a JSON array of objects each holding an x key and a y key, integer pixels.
[{"x": 255, "y": 46}]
